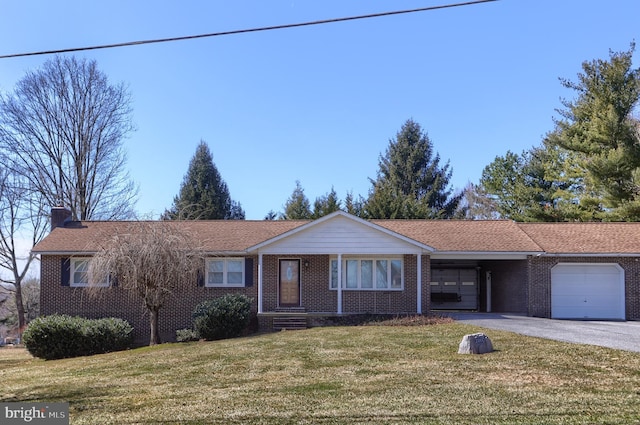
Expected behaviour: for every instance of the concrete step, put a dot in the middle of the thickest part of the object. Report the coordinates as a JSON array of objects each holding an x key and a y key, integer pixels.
[{"x": 296, "y": 322}]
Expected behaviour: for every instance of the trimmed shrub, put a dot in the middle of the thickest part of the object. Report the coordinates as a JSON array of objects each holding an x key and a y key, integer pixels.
[
  {"x": 62, "y": 336},
  {"x": 186, "y": 335},
  {"x": 223, "y": 317}
]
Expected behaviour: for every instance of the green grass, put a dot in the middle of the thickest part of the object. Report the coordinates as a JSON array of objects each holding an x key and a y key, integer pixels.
[{"x": 338, "y": 375}]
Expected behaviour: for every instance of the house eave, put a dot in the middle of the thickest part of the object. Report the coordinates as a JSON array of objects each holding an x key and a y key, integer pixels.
[
  {"x": 590, "y": 254},
  {"x": 65, "y": 253},
  {"x": 231, "y": 253},
  {"x": 481, "y": 255}
]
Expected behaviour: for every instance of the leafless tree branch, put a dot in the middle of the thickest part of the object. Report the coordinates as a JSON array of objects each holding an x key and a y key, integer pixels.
[{"x": 151, "y": 260}]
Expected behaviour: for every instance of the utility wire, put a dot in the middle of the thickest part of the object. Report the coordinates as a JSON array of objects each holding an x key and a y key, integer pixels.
[{"x": 242, "y": 31}]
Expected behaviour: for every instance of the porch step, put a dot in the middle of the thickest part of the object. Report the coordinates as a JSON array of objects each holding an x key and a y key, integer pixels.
[
  {"x": 291, "y": 310},
  {"x": 294, "y": 322}
]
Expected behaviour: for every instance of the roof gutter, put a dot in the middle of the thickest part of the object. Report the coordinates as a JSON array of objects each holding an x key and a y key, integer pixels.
[
  {"x": 483, "y": 255},
  {"x": 590, "y": 254}
]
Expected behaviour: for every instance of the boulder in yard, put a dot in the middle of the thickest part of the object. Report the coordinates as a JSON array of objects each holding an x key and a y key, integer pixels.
[{"x": 475, "y": 344}]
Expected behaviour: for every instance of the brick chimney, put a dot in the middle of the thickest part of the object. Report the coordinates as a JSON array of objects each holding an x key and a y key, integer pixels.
[{"x": 59, "y": 216}]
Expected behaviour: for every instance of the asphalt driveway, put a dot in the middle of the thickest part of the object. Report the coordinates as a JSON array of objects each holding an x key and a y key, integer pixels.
[{"x": 618, "y": 335}]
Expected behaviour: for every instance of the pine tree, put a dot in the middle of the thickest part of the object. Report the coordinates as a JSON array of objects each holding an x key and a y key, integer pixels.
[
  {"x": 326, "y": 204},
  {"x": 600, "y": 127},
  {"x": 354, "y": 206},
  {"x": 410, "y": 182},
  {"x": 297, "y": 206},
  {"x": 204, "y": 195},
  {"x": 544, "y": 183}
]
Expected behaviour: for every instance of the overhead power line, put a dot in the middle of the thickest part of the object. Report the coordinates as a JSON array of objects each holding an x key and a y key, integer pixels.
[{"x": 242, "y": 31}]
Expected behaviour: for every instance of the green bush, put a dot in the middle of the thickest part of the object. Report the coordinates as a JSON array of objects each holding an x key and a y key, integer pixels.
[
  {"x": 186, "y": 335},
  {"x": 223, "y": 317},
  {"x": 62, "y": 336}
]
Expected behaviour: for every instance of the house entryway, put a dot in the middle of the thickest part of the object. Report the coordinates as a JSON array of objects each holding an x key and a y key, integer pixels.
[{"x": 289, "y": 283}]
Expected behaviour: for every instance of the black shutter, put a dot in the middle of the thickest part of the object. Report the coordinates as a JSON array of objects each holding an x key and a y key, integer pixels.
[
  {"x": 65, "y": 272},
  {"x": 113, "y": 280},
  {"x": 248, "y": 272},
  {"x": 200, "y": 277}
]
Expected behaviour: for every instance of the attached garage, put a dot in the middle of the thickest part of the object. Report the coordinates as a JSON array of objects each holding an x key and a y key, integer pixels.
[{"x": 587, "y": 291}]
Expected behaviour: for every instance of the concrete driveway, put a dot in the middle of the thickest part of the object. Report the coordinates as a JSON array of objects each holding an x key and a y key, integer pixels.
[{"x": 618, "y": 335}]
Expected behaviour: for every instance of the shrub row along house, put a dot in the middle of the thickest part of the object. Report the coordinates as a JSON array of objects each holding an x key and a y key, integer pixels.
[{"x": 340, "y": 264}]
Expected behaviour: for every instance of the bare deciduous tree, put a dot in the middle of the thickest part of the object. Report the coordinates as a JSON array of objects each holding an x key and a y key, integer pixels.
[
  {"x": 21, "y": 220},
  {"x": 62, "y": 129},
  {"x": 152, "y": 260},
  {"x": 30, "y": 294}
]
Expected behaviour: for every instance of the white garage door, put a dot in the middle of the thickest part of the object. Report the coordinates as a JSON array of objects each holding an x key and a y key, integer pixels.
[{"x": 587, "y": 291}]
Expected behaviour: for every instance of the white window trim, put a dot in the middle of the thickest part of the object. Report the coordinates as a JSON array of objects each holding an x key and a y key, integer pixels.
[
  {"x": 72, "y": 269},
  {"x": 374, "y": 259},
  {"x": 224, "y": 283}
]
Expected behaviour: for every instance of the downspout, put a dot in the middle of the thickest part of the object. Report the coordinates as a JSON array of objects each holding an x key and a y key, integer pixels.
[{"x": 488, "y": 279}]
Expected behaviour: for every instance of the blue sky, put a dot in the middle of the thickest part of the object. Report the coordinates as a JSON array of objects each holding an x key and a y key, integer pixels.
[{"x": 319, "y": 104}]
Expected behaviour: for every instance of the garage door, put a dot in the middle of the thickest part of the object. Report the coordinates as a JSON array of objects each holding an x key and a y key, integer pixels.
[
  {"x": 454, "y": 289},
  {"x": 587, "y": 291}
]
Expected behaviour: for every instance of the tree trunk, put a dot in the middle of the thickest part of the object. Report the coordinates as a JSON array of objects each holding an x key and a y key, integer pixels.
[
  {"x": 20, "y": 307},
  {"x": 155, "y": 333}
]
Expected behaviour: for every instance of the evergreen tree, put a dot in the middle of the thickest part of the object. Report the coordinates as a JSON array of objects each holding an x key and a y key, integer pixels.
[
  {"x": 204, "y": 195},
  {"x": 271, "y": 215},
  {"x": 599, "y": 127},
  {"x": 325, "y": 205},
  {"x": 504, "y": 181},
  {"x": 297, "y": 206},
  {"x": 588, "y": 168},
  {"x": 544, "y": 183},
  {"x": 354, "y": 206},
  {"x": 410, "y": 182}
]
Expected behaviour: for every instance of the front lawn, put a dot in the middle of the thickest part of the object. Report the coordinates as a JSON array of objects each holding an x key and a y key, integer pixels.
[{"x": 338, "y": 375}]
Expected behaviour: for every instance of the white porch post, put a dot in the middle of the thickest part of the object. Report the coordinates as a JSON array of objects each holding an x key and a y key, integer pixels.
[
  {"x": 259, "y": 283},
  {"x": 488, "y": 292},
  {"x": 339, "y": 283},
  {"x": 419, "y": 271}
]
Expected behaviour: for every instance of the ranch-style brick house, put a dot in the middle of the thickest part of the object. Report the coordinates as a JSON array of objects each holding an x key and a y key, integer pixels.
[{"x": 301, "y": 272}]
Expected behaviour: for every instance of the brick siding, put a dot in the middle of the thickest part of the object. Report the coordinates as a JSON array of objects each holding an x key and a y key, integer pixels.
[
  {"x": 509, "y": 286},
  {"x": 517, "y": 286},
  {"x": 120, "y": 302},
  {"x": 317, "y": 297}
]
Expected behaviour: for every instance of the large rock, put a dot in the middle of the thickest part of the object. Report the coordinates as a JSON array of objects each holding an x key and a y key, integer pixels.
[{"x": 475, "y": 344}]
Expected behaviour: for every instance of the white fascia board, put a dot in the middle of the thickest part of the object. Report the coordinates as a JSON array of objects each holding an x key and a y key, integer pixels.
[
  {"x": 225, "y": 253},
  {"x": 335, "y": 250},
  {"x": 591, "y": 254},
  {"x": 459, "y": 255}
]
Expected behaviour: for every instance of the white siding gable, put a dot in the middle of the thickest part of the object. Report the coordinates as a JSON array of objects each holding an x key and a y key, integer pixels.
[{"x": 342, "y": 234}]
